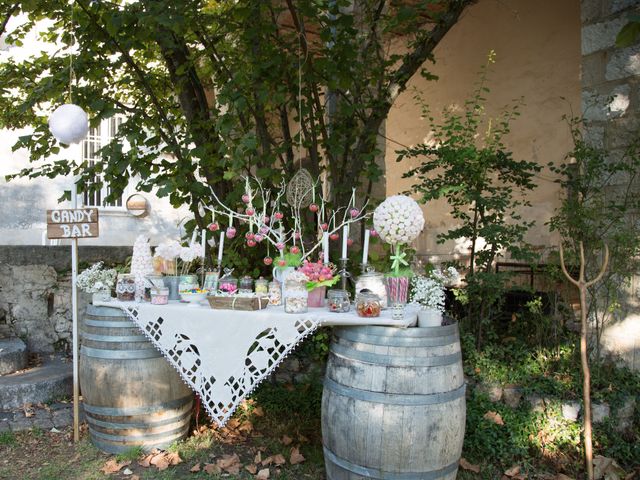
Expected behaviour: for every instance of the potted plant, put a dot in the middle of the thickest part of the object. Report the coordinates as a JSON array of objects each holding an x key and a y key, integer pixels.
[
  {"x": 427, "y": 292},
  {"x": 398, "y": 221},
  {"x": 98, "y": 281},
  {"x": 320, "y": 276}
]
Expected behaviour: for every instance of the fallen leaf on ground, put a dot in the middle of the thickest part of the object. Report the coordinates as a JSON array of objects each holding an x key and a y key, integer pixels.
[
  {"x": 173, "y": 458},
  {"x": 258, "y": 412},
  {"x": 296, "y": 457},
  {"x": 279, "y": 459},
  {"x": 258, "y": 457},
  {"x": 302, "y": 439},
  {"x": 229, "y": 463},
  {"x": 469, "y": 466},
  {"x": 494, "y": 417},
  {"x": 263, "y": 474},
  {"x": 513, "y": 471},
  {"x": 212, "y": 469},
  {"x": 127, "y": 471},
  {"x": 135, "y": 477},
  {"x": 286, "y": 440},
  {"x": 562, "y": 476},
  {"x": 113, "y": 466},
  {"x": 28, "y": 410},
  {"x": 252, "y": 468},
  {"x": 246, "y": 427},
  {"x": 146, "y": 461},
  {"x": 267, "y": 461},
  {"x": 54, "y": 430},
  {"x": 196, "y": 468},
  {"x": 160, "y": 462},
  {"x": 606, "y": 468}
]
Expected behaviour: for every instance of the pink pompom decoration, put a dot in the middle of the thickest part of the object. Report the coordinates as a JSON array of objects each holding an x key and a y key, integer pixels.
[
  {"x": 231, "y": 232},
  {"x": 280, "y": 246},
  {"x": 373, "y": 233},
  {"x": 251, "y": 243},
  {"x": 264, "y": 230},
  {"x": 250, "y": 211},
  {"x": 314, "y": 207},
  {"x": 334, "y": 236},
  {"x": 214, "y": 227},
  {"x": 249, "y": 235},
  {"x": 258, "y": 238},
  {"x": 324, "y": 227},
  {"x": 349, "y": 242},
  {"x": 266, "y": 219},
  {"x": 267, "y": 261},
  {"x": 297, "y": 235},
  {"x": 278, "y": 215},
  {"x": 246, "y": 198},
  {"x": 282, "y": 262},
  {"x": 295, "y": 250},
  {"x": 354, "y": 212}
]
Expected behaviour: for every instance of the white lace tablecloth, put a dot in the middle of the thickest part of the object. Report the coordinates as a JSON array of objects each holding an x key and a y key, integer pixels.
[{"x": 224, "y": 354}]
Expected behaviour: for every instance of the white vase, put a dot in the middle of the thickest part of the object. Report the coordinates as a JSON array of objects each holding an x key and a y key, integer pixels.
[
  {"x": 429, "y": 317},
  {"x": 101, "y": 296}
]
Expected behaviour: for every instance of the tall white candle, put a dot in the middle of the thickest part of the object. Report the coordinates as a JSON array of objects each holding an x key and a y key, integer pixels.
[
  {"x": 345, "y": 237},
  {"x": 325, "y": 246},
  {"x": 203, "y": 242},
  {"x": 365, "y": 247},
  {"x": 220, "y": 248}
]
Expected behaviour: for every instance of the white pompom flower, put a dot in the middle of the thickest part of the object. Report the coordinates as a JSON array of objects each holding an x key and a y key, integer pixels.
[
  {"x": 398, "y": 220},
  {"x": 69, "y": 124}
]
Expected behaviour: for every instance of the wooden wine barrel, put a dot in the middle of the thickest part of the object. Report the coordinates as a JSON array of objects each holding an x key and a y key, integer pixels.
[
  {"x": 132, "y": 396},
  {"x": 393, "y": 405}
]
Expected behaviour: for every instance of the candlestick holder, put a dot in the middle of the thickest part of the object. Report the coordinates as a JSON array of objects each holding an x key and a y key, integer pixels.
[{"x": 344, "y": 273}]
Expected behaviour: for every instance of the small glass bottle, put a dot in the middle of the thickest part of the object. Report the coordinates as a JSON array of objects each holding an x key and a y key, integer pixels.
[
  {"x": 188, "y": 282},
  {"x": 338, "y": 301},
  {"x": 126, "y": 287},
  {"x": 275, "y": 293},
  {"x": 368, "y": 305},
  {"x": 246, "y": 284},
  {"x": 262, "y": 286},
  {"x": 211, "y": 281}
]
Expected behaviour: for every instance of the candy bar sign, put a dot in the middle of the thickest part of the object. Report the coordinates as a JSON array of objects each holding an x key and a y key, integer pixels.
[{"x": 72, "y": 223}]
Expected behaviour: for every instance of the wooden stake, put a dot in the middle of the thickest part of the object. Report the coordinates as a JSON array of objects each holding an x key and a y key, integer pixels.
[
  {"x": 74, "y": 314},
  {"x": 583, "y": 285}
]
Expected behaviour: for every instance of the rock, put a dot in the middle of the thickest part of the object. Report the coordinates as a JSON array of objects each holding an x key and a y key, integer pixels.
[
  {"x": 624, "y": 63},
  {"x": 21, "y": 424},
  {"x": 13, "y": 355},
  {"x": 512, "y": 396},
  {"x": 602, "y": 35},
  {"x": 624, "y": 415},
  {"x": 62, "y": 418},
  {"x": 600, "y": 412},
  {"x": 537, "y": 403},
  {"x": 570, "y": 411},
  {"x": 494, "y": 392}
]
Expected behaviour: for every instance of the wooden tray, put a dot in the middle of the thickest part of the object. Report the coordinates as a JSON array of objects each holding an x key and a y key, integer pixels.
[{"x": 238, "y": 303}]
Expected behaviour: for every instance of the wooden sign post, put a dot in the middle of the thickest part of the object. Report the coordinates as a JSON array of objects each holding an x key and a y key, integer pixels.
[{"x": 74, "y": 223}]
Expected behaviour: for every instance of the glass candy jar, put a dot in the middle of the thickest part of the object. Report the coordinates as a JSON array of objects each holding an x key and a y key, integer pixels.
[
  {"x": 262, "y": 286},
  {"x": 211, "y": 281},
  {"x": 275, "y": 293},
  {"x": 246, "y": 284},
  {"x": 228, "y": 284},
  {"x": 373, "y": 281},
  {"x": 188, "y": 282},
  {"x": 368, "y": 305},
  {"x": 338, "y": 301},
  {"x": 126, "y": 287},
  {"x": 295, "y": 293}
]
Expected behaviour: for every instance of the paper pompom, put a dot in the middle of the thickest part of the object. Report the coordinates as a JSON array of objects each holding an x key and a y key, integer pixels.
[
  {"x": 398, "y": 220},
  {"x": 69, "y": 124}
]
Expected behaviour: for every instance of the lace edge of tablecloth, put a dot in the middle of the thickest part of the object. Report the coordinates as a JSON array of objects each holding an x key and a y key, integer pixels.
[{"x": 221, "y": 420}]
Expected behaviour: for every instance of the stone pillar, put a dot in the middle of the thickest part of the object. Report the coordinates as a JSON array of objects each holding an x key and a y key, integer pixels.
[{"x": 611, "y": 110}]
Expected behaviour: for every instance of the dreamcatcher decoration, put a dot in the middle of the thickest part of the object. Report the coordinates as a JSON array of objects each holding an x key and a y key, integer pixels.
[{"x": 300, "y": 189}]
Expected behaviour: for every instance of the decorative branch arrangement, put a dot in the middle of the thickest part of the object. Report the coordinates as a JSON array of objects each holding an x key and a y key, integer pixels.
[
  {"x": 583, "y": 285},
  {"x": 266, "y": 211}
]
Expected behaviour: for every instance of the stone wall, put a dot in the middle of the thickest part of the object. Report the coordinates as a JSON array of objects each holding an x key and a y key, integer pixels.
[
  {"x": 35, "y": 292},
  {"x": 611, "y": 109}
]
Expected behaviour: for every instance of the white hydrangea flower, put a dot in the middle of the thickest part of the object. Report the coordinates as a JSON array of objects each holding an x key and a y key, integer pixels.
[
  {"x": 169, "y": 250},
  {"x": 398, "y": 220}
]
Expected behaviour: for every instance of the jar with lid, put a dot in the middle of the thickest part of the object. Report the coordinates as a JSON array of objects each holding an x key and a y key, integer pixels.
[
  {"x": 228, "y": 284},
  {"x": 126, "y": 287},
  {"x": 262, "y": 286},
  {"x": 295, "y": 293},
  {"x": 188, "y": 282},
  {"x": 159, "y": 296},
  {"x": 338, "y": 301},
  {"x": 373, "y": 281},
  {"x": 275, "y": 293},
  {"x": 368, "y": 305},
  {"x": 246, "y": 284}
]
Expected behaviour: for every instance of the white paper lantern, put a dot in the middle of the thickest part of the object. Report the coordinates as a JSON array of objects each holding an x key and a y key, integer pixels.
[{"x": 69, "y": 124}]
